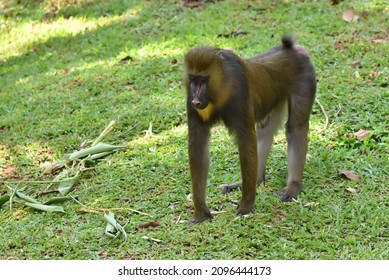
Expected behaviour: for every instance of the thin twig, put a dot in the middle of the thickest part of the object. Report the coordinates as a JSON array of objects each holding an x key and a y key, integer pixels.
[
  {"x": 47, "y": 192},
  {"x": 325, "y": 115},
  {"x": 179, "y": 218},
  {"x": 97, "y": 210},
  {"x": 152, "y": 239}
]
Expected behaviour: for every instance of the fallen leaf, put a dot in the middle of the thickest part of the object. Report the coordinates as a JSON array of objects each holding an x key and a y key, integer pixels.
[
  {"x": 362, "y": 134},
  {"x": 113, "y": 228},
  {"x": 374, "y": 74},
  {"x": 348, "y": 14},
  {"x": 55, "y": 200},
  {"x": 51, "y": 168},
  {"x": 352, "y": 190},
  {"x": 148, "y": 224},
  {"x": 25, "y": 197},
  {"x": 351, "y": 15},
  {"x": 47, "y": 208},
  {"x": 350, "y": 175},
  {"x": 338, "y": 45},
  {"x": 356, "y": 64}
]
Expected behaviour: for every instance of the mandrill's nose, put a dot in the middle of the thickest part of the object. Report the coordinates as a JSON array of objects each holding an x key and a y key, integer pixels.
[{"x": 196, "y": 103}]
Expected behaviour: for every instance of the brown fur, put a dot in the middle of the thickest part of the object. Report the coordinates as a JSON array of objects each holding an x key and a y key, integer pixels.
[{"x": 243, "y": 93}]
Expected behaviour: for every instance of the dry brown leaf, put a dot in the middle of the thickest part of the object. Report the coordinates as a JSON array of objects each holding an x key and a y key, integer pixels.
[
  {"x": 374, "y": 74},
  {"x": 350, "y": 175},
  {"x": 351, "y": 15},
  {"x": 148, "y": 224},
  {"x": 356, "y": 64},
  {"x": 362, "y": 134},
  {"x": 348, "y": 14},
  {"x": 338, "y": 45}
]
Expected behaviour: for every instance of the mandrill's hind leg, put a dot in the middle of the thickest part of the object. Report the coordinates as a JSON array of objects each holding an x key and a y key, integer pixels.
[
  {"x": 297, "y": 128},
  {"x": 265, "y": 135}
]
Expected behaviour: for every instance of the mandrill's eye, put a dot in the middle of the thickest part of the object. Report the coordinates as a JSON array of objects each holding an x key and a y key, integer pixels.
[{"x": 198, "y": 78}]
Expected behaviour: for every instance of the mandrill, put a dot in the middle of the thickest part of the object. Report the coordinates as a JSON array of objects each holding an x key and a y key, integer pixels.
[{"x": 250, "y": 96}]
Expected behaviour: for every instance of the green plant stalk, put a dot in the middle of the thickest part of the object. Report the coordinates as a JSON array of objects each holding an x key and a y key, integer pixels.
[
  {"x": 97, "y": 149},
  {"x": 105, "y": 132}
]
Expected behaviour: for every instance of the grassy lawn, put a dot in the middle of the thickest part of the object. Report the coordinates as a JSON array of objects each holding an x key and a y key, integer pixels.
[{"x": 70, "y": 67}]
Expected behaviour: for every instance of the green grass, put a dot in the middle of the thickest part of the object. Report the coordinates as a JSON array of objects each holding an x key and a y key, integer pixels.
[{"x": 61, "y": 83}]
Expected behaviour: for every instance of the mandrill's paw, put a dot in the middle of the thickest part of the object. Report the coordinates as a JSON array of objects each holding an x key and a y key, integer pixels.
[
  {"x": 199, "y": 218},
  {"x": 290, "y": 192},
  {"x": 285, "y": 196},
  {"x": 227, "y": 188},
  {"x": 244, "y": 209}
]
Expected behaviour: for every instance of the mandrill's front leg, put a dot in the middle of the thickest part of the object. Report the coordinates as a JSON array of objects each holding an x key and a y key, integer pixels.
[{"x": 198, "y": 148}]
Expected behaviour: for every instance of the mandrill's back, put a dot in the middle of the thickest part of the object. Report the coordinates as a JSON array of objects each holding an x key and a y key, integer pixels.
[{"x": 280, "y": 71}]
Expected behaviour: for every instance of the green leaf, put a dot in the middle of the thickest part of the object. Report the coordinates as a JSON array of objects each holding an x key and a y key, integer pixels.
[
  {"x": 101, "y": 155},
  {"x": 105, "y": 132},
  {"x": 97, "y": 149},
  {"x": 113, "y": 228},
  {"x": 47, "y": 208},
  {"x": 26, "y": 197},
  {"x": 110, "y": 229},
  {"x": 57, "y": 200},
  {"x": 4, "y": 199},
  {"x": 66, "y": 173},
  {"x": 66, "y": 179},
  {"x": 65, "y": 187}
]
